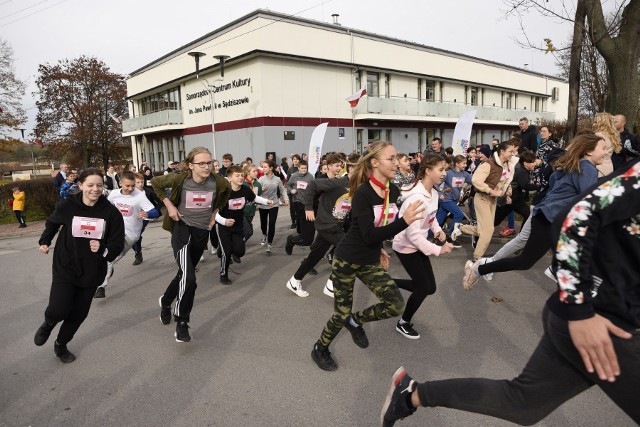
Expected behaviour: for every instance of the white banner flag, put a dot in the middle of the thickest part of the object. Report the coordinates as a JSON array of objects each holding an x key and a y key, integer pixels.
[
  {"x": 315, "y": 147},
  {"x": 462, "y": 133}
]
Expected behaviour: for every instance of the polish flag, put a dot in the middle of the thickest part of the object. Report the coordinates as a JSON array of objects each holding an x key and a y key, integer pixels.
[{"x": 353, "y": 99}]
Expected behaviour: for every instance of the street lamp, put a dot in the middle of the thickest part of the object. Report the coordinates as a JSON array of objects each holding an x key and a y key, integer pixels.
[
  {"x": 33, "y": 159},
  {"x": 208, "y": 87}
]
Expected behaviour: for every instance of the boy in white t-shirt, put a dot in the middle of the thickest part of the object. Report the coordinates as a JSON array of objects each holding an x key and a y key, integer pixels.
[{"x": 134, "y": 207}]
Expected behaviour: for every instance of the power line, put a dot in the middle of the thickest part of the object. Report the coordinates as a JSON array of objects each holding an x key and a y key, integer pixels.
[
  {"x": 31, "y": 14},
  {"x": 22, "y": 10}
]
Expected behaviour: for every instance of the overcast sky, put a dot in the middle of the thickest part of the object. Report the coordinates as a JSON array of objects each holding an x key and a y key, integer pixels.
[{"x": 129, "y": 34}]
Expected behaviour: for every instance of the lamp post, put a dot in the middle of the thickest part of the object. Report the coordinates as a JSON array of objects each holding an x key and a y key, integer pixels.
[
  {"x": 33, "y": 160},
  {"x": 209, "y": 88}
]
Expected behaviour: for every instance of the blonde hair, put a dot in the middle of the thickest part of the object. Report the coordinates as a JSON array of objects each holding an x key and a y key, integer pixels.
[
  {"x": 192, "y": 154},
  {"x": 364, "y": 169},
  {"x": 604, "y": 125}
]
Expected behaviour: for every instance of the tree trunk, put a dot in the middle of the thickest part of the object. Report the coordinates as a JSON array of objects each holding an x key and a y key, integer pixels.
[{"x": 574, "y": 71}]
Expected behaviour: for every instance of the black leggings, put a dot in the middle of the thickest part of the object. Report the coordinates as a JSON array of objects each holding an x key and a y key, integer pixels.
[
  {"x": 519, "y": 206},
  {"x": 537, "y": 245},
  {"x": 554, "y": 374},
  {"x": 306, "y": 229},
  {"x": 422, "y": 282},
  {"x": 70, "y": 305},
  {"x": 271, "y": 215},
  {"x": 19, "y": 217},
  {"x": 323, "y": 242},
  {"x": 231, "y": 243}
]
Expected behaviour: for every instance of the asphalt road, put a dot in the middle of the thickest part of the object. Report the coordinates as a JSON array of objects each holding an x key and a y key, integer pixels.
[{"x": 249, "y": 363}]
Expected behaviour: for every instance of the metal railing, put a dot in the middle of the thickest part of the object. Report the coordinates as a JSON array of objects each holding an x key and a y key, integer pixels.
[
  {"x": 413, "y": 107},
  {"x": 160, "y": 118}
]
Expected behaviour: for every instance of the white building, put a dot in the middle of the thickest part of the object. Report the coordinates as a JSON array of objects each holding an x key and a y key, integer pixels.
[{"x": 285, "y": 75}]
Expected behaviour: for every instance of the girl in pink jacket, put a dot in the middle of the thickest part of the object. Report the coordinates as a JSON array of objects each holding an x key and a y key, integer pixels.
[{"x": 411, "y": 245}]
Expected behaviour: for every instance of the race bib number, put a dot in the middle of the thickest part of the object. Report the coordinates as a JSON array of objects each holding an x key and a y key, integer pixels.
[
  {"x": 88, "y": 228},
  {"x": 505, "y": 174},
  {"x": 431, "y": 216},
  {"x": 342, "y": 207},
  {"x": 237, "y": 204},
  {"x": 199, "y": 199},
  {"x": 457, "y": 182},
  {"x": 378, "y": 212},
  {"x": 125, "y": 210},
  {"x": 301, "y": 185}
]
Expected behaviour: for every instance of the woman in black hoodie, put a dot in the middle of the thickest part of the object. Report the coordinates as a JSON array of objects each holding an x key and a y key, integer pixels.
[{"x": 92, "y": 235}]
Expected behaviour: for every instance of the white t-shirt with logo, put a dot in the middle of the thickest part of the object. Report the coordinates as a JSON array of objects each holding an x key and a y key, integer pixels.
[{"x": 130, "y": 206}]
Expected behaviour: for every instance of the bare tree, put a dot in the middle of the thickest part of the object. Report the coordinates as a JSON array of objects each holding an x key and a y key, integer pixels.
[
  {"x": 77, "y": 99},
  {"x": 12, "y": 114},
  {"x": 617, "y": 40}
]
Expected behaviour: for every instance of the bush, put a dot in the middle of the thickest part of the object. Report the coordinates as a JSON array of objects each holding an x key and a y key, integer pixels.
[{"x": 40, "y": 195}]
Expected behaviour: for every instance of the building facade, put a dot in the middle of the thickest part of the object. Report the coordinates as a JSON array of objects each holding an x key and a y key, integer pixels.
[{"x": 284, "y": 75}]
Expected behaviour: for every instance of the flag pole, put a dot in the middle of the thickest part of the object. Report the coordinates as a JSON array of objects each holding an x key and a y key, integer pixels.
[{"x": 353, "y": 129}]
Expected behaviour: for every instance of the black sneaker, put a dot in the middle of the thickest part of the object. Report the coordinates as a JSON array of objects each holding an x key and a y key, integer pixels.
[
  {"x": 396, "y": 404},
  {"x": 99, "y": 292},
  {"x": 406, "y": 329},
  {"x": 293, "y": 225},
  {"x": 225, "y": 280},
  {"x": 322, "y": 356},
  {"x": 182, "y": 332},
  {"x": 235, "y": 258},
  {"x": 43, "y": 332},
  {"x": 288, "y": 247},
  {"x": 63, "y": 353},
  {"x": 357, "y": 333},
  {"x": 165, "y": 313},
  {"x": 329, "y": 257},
  {"x": 138, "y": 259}
]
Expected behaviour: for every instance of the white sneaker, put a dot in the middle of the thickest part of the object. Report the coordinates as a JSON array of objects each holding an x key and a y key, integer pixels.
[
  {"x": 470, "y": 276},
  {"x": 263, "y": 240},
  {"x": 213, "y": 250},
  {"x": 549, "y": 273},
  {"x": 456, "y": 232},
  {"x": 268, "y": 249},
  {"x": 328, "y": 288},
  {"x": 489, "y": 276},
  {"x": 295, "y": 286},
  {"x": 201, "y": 257}
]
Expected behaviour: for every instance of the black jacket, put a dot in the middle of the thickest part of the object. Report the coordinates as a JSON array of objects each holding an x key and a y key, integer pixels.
[
  {"x": 529, "y": 139},
  {"x": 73, "y": 261}
]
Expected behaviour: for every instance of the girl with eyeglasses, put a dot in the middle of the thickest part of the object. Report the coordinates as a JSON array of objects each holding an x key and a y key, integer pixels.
[
  {"x": 360, "y": 254},
  {"x": 196, "y": 195}
]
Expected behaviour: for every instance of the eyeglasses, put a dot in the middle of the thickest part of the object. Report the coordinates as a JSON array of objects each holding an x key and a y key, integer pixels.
[{"x": 204, "y": 164}]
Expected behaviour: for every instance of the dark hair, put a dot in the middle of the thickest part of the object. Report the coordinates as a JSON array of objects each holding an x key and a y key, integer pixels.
[
  {"x": 504, "y": 145},
  {"x": 436, "y": 139},
  {"x": 131, "y": 176},
  {"x": 295, "y": 156},
  {"x": 227, "y": 156},
  {"x": 303, "y": 163},
  {"x": 523, "y": 119},
  {"x": 527, "y": 157},
  {"x": 248, "y": 159},
  {"x": 430, "y": 161},
  {"x": 448, "y": 151},
  {"x": 271, "y": 164},
  {"x": 88, "y": 172},
  {"x": 234, "y": 169},
  {"x": 471, "y": 149}
]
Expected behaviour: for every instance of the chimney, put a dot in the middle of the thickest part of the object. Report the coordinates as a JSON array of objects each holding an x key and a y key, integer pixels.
[{"x": 335, "y": 19}]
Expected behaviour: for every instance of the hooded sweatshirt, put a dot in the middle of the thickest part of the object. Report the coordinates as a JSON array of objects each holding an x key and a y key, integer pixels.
[
  {"x": 73, "y": 261},
  {"x": 414, "y": 237},
  {"x": 300, "y": 183}
]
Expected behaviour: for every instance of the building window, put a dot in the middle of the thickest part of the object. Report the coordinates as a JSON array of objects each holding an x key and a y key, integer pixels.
[
  {"x": 170, "y": 147},
  {"x": 419, "y": 89},
  {"x": 373, "y": 135},
  {"x": 387, "y": 83},
  {"x": 507, "y": 100},
  {"x": 536, "y": 106},
  {"x": 430, "y": 90},
  {"x": 388, "y": 134},
  {"x": 181, "y": 152},
  {"x": 166, "y": 100},
  {"x": 473, "y": 98},
  {"x": 373, "y": 85},
  {"x": 359, "y": 140}
]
